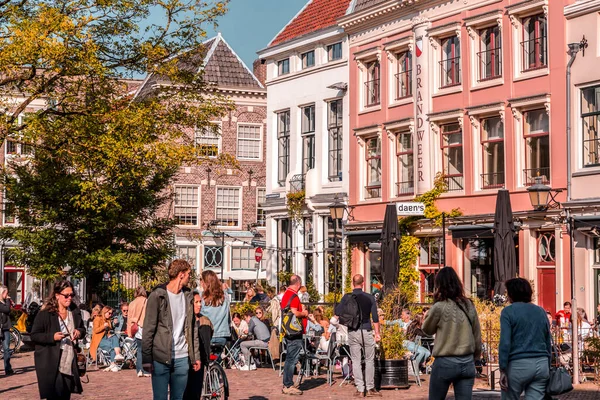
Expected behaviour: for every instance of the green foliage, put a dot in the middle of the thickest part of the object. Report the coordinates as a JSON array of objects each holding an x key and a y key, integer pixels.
[
  {"x": 393, "y": 303},
  {"x": 332, "y": 297},
  {"x": 242, "y": 308},
  {"x": 489, "y": 320},
  {"x": 295, "y": 204},
  {"x": 284, "y": 277},
  {"x": 88, "y": 195},
  {"x": 348, "y": 277},
  {"x": 408, "y": 275},
  {"x": 313, "y": 293},
  {"x": 392, "y": 337}
]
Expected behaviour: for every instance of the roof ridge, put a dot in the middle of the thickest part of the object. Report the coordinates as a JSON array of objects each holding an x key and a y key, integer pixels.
[
  {"x": 241, "y": 61},
  {"x": 212, "y": 49},
  {"x": 289, "y": 22}
]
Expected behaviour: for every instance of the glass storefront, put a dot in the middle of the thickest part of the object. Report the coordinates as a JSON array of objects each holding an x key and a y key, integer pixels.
[
  {"x": 375, "y": 285},
  {"x": 479, "y": 254}
]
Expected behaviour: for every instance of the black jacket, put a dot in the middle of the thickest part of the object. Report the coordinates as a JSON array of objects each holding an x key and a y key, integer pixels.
[
  {"x": 5, "y": 322},
  {"x": 47, "y": 351},
  {"x": 157, "y": 336}
]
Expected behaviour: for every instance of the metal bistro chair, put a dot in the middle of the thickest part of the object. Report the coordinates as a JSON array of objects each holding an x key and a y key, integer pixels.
[
  {"x": 413, "y": 362},
  {"x": 282, "y": 353},
  {"x": 259, "y": 350}
]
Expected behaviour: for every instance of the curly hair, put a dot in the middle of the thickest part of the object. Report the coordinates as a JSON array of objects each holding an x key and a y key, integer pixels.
[
  {"x": 51, "y": 303},
  {"x": 213, "y": 292},
  {"x": 448, "y": 286}
]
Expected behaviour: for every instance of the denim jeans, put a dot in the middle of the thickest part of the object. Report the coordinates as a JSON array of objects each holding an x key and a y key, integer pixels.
[
  {"x": 219, "y": 341},
  {"x": 420, "y": 352},
  {"x": 174, "y": 377},
  {"x": 109, "y": 344},
  {"x": 529, "y": 375},
  {"x": 138, "y": 358},
  {"x": 6, "y": 349},
  {"x": 458, "y": 371},
  {"x": 292, "y": 353}
]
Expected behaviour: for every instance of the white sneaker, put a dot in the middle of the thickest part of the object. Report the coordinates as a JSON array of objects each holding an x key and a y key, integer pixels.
[
  {"x": 119, "y": 357},
  {"x": 146, "y": 375},
  {"x": 115, "y": 369},
  {"x": 140, "y": 374},
  {"x": 252, "y": 367},
  {"x": 245, "y": 368}
]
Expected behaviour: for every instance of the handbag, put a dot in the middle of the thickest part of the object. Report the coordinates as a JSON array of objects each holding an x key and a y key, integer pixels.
[
  {"x": 134, "y": 329},
  {"x": 559, "y": 382}
]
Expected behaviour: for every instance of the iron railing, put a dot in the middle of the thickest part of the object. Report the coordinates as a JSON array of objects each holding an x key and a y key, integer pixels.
[
  {"x": 372, "y": 93},
  {"x": 454, "y": 182},
  {"x": 492, "y": 180},
  {"x": 532, "y": 173},
  {"x": 405, "y": 188},
  {"x": 490, "y": 64},
  {"x": 535, "y": 53},
  {"x": 403, "y": 84},
  {"x": 450, "y": 72}
]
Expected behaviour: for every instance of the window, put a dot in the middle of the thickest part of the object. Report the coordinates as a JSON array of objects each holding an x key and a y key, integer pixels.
[
  {"x": 535, "y": 43},
  {"x": 590, "y": 114},
  {"x": 404, "y": 75},
  {"x": 335, "y": 120},
  {"x": 373, "y": 158},
  {"x": 213, "y": 257},
  {"x": 283, "y": 67},
  {"x": 261, "y": 198},
  {"x": 284, "y": 243},
  {"x": 490, "y": 54},
  {"x": 228, "y": 206},
  {"x": 186, "y": 205},
  {"x": 308, "y": 233},
  {"x": 334, "y": 52},
  {"x": 332, "y": 232},
  {"x": 9, "y": 212},
  {"x": 243, "y": 258},
  {"x": 207, "y": 141},
  {"x": 283, "y": 137},
  {"x": 187, "y": 253},
  {"x": 452, "y": 153},
  {"x": 308, "y": 59},
  {"x": 375, "y": 280},
  {"x": 597, "y": 251},
  {"x": 372, "y": 84},
  {"x": 450, "y": 64},
  {"x": 249, "y": 142},
  {"x": 406, "y": 169},
  {"x": 13, "y": 147},
  {"x": 308, "y": 138},
  {"x": 492, "y": 144},
  {"x": 430, "y": 252},
  {"x": 546, "y": 248},
  {"x": 537, "y": 146}
]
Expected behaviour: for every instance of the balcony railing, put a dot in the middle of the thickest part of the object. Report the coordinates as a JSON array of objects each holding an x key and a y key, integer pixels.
[
  {"x": 454, "y": 182},
  {"x": 372, "y": 93},
  {"x": 532, "y": 173},
  {"x": 490, "y": 64},
  {"x": 372, "y": 192},
  {"x": 403, "y": 84},
  {"x": 405, "y": 188},
  {"x": 591, "y": 152},
  {"x": 297, "y": 183},
  {"x": 492, "y": 180},
  {"x": 535, "y": 53},
  {"x": 450, "y": 72}
]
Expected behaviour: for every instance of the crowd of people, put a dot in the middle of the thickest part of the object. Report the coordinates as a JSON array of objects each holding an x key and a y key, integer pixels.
[{"x": 174, "y": 328}]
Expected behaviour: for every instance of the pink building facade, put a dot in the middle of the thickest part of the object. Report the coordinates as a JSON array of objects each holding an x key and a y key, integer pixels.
[{"x": 474, "y": 91}]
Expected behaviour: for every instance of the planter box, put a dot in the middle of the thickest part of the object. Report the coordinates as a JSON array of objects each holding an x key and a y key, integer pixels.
[{"x": 391, "y": 374}]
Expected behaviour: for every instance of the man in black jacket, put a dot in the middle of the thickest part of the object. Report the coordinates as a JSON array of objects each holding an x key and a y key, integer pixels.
[{"x": 169, "y": 346}]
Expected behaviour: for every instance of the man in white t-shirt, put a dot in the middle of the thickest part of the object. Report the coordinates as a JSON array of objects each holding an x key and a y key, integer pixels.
[{"x": 169, "y": 347}]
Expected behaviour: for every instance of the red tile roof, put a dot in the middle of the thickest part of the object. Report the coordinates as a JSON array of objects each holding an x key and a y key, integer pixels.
[{"x": 316, "y": 15}]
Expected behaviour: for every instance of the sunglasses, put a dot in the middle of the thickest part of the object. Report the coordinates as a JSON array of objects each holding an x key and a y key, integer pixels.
[
  {"x": 125, "y": 310},
  {"x": 68, "y": 295}
]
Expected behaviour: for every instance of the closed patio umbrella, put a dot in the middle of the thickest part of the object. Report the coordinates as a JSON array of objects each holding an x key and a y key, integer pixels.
[
  {"x": 505, "y": 260},
  {"x": 390, "y": 240}
]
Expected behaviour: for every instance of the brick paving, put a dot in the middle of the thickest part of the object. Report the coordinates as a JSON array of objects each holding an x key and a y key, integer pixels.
[{"x": 262, "y": 384}]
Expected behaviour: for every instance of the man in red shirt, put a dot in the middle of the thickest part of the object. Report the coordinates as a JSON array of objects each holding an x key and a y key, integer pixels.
[
  {"x": 293, "y": 344},
  {"x": 563, "y": 317}
]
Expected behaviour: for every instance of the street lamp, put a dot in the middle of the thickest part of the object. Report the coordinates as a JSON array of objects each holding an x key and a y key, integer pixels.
[
  {"x": 211, "y": 227},
  {"x": 337, "y": 212},
  {"x": 539, "y": 194}
]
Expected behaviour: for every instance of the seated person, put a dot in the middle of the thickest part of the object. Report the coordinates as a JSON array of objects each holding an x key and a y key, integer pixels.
[
  {"x": 262, "y": 315},
  {"x": 404, "y": 320},
  {"x": 414, "y": 330},
  {"x": 103, "y": 336},
  {"x": 239, "y": 326},
  {"x": 261, "y": 335},
  {"x": 563, "y": 317},
  {"x": 321, "y": 320},
  {"x": 121, "y": 319}
]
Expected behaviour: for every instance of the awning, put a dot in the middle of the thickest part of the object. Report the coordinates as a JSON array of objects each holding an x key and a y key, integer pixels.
[
  {"x": 483, "y": 231},
  {"x": 587, "y": 222},
  {"x": 371, "y": 235},
  {"x": 243, "y": 275}
]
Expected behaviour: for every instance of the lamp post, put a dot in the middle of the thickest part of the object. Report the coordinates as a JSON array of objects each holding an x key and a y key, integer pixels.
[
  {"x": 211, "y": 226},
  {"x": 337, "y": 212}
]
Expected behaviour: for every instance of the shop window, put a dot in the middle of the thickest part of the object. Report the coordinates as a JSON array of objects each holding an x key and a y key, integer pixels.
[
  {"x": 590, "y": 115},
  {"x": 430, "y": 252},
  {"x": 597, "y": 251},
  {"x": 536, "y": 131},
  {"x": 308, "y": 234},
  {"x": 480, "y": 256},
  {"x": 14, "y": 280},
  {"x": 284, "y": 243},
  {"x": 333, "y": 244},
  {"x": 546, "y": 248}
]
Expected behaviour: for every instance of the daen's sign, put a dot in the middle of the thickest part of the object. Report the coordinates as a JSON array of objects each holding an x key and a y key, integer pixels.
[{"x": 410, "y": 208}]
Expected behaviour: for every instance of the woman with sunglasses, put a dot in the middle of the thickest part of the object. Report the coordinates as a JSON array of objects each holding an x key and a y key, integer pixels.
[
  {"x": 103, "y": 336},
  {"x": 55, "y": 330}
]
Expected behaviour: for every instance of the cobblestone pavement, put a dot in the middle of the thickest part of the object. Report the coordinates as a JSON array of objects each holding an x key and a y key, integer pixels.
[{"x": 262, "y": 384}]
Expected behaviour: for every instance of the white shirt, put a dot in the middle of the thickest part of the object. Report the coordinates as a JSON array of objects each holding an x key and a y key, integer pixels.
[{"x": 177, "y": 306}]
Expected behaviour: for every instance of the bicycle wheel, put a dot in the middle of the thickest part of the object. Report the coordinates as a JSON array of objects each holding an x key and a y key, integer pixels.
[
  {"x": 15, "y": 340},
  {"x": 215, "y": 383}
]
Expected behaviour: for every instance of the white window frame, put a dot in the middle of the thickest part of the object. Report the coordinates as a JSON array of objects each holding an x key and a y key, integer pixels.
[
  {"x": 4, "y": 203},
  {"x": 251, "y": 262},
  {"x": 240, "y": 209},
  {"x": 363, "y": 59},
  {"x": 579, "y": 135},
  {"x": 393, "y": 130},
  {"x": 474, "y": 26},
  {"x": 435, "y": 123},
  {"x": 393, "y": 50},
  {"x": 260, "y": 140},
  {"x": 280, "y": 63},
  {"x": 188, "y": 246},
  {"x": 362, "y": 135},
  {"x": 516, "y": 14},
  {"x": 18, "y": 146},
  {"x": 436, "y": 37},
  {"x": 199, "y": 133},
  {"x": 198, "y": 193},
  {"x": 259, "y": 207}
]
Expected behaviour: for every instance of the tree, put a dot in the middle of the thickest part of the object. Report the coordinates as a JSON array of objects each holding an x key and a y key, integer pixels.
[{"x": 87, "y": 198}]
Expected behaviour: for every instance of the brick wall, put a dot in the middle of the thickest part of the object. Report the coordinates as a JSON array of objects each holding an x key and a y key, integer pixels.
[{"x": 260, "y": 70}]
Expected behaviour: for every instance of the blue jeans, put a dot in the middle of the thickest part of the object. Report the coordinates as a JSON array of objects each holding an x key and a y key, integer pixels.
[
  {"x": 219, "y": 341},
  {"x": 458, "y": 371},
  {"x": 292, "y": 353},
  {"x": 174, "y": 376},
  {"x": 529, "y": 375},
  {"x": 138, "y": 358},
  {"x": 6, "y": 349},
  {"x": 109, "y": 344},
  {"x": 420, "y": 352}
]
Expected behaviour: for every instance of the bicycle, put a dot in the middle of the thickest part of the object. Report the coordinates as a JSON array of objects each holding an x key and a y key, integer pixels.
[
  {"x": 15, "y": 342},
  {"x": 215, "y": 384}
]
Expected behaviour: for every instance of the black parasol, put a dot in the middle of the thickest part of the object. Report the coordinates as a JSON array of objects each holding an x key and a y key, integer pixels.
[
  {"x": 390, "y": 240},
  {"x": 505, "y": 260}
]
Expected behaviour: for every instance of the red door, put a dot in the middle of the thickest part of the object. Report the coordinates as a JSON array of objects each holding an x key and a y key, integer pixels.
[{"x": 547, "y": 289}]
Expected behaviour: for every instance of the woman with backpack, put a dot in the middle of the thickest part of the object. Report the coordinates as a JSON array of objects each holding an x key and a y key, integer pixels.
[{"x": 454, "y": 322}]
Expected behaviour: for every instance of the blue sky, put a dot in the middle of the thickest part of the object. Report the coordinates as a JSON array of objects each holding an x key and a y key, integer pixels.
[{"x": 251, "y": 24}]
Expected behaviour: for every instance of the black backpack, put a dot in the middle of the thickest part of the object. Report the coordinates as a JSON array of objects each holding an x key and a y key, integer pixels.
[{"x": 350, "y": 314}]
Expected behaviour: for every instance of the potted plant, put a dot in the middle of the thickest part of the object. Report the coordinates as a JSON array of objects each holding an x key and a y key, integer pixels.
[{"x": 391, "y": 365}]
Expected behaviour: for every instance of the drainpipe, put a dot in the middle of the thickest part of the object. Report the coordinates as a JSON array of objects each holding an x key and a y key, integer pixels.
[{"x": 573, "y": 50}]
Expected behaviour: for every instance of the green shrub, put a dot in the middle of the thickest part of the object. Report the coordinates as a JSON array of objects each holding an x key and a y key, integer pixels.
[{"x": 392, "y": 338}]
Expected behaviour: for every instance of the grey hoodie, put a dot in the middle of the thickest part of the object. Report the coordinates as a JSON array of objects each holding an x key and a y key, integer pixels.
[{"x": 157, "y": 336}]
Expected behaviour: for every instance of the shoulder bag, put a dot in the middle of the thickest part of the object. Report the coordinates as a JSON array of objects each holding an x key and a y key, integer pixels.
[{"x": 560, "y": 380}]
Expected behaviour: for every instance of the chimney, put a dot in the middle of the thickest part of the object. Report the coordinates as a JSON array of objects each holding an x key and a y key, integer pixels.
[{"x": 260, "y": 70}]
